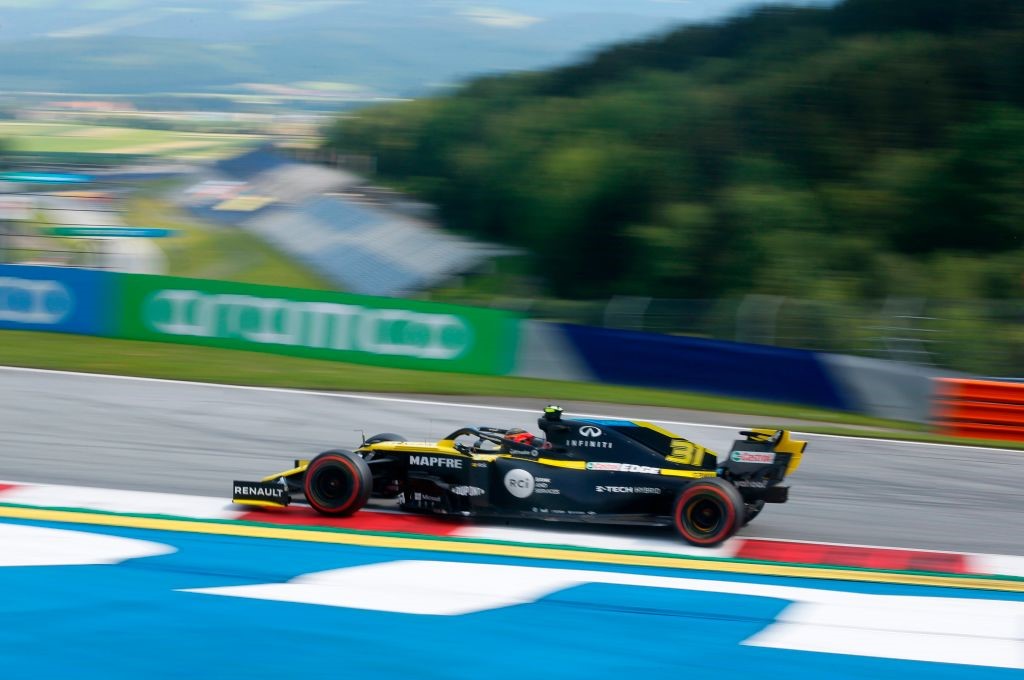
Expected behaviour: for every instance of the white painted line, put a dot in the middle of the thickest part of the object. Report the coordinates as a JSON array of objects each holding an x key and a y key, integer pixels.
[
  {"x": 426, "y": 588},
  {"x": 449, "y": 404},
  {"x": 937, "y": 629},
  {"x": 1004, "y": 565},
  {"x": 29, "y": 546},
  {"x": 116, "y": 500},
  {"x": 954, "y": 649}
]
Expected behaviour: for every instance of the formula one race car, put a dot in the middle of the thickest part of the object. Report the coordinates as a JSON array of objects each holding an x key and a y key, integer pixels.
[{"x": 605, "y": 471}]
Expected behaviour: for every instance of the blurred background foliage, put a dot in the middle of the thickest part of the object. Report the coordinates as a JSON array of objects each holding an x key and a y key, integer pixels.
[{"x": 841, "y": 155}]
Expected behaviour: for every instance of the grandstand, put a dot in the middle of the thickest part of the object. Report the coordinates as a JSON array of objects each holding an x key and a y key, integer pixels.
[
  {"x": 295, "y": 182},
  {"x": 251, "y": 164},
  {"x": 328, "y": 220},
  {"x": 365, "y": 250}
]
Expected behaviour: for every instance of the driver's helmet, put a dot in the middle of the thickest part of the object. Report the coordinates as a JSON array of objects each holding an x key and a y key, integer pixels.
[{"x": 522, "y": 437}]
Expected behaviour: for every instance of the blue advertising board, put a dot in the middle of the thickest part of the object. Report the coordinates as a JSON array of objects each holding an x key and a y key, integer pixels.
[
  {"x": 715, "y": 366},
  {"x": 55, "y": 299}
]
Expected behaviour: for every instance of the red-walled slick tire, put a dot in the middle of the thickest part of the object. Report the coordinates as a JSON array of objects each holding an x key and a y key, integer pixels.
[
  {"x": 707, "y": 512},
  {"x": 337, "y": 483}
]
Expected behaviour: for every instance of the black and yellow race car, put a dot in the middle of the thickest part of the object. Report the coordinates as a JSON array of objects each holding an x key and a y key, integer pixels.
[{"x": 588, "y": 470}]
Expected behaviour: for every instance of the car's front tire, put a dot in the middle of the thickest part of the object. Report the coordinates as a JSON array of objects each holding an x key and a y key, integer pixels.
[
  {"x": 337, "y": 483},
  {"x": 707, "y": 512}
]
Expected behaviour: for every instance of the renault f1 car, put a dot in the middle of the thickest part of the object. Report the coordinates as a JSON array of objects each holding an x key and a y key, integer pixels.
[{"x": 589, "y": 470}]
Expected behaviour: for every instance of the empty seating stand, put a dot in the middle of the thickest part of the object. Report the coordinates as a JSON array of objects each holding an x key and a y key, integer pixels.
[
  {"x": 367, "y": 250},
  {"x": 310, "y": 214}
]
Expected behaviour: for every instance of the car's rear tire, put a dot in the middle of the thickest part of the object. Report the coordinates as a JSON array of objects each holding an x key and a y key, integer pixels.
[
  {"x": 751, "y": 511},
  {"x": 385, "y": 437},
  {"x": 707, "y": 512},
  {"x": 337, "y": 483}
]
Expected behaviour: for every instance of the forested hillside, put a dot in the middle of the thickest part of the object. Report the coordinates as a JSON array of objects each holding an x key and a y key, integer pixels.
[{"x": 869, "y": 149}]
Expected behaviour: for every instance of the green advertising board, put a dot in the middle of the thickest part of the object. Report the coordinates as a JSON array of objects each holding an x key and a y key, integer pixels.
[{"x": 317, "y": 324}]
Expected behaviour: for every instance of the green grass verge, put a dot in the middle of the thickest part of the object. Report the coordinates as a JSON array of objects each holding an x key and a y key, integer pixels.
[
  {"x": 75, "y": 138},
  {"x": 201, "y": 364},
  {"x": 224, "y": 253}
]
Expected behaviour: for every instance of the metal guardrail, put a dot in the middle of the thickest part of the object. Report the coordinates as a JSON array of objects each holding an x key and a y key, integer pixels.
[{"x": 20, "y": 245}]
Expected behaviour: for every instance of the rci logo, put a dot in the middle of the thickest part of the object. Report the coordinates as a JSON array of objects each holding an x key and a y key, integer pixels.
[
  {"x": 590, "y": 431},
  {"x": 519, "y": 483}
]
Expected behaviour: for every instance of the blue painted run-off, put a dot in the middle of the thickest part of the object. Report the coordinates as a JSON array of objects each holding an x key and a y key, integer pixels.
[
  {"x": 131, "y": 620},
  {"x": 718, "y": 367}
]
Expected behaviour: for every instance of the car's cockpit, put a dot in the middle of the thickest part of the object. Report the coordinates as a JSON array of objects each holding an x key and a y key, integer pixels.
[{"x": 494, "y": 440}]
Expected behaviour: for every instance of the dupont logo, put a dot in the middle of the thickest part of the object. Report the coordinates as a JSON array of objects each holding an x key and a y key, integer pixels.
[
  {"x": 591, "y": 431},
  {"x": 753, "y": 457}
]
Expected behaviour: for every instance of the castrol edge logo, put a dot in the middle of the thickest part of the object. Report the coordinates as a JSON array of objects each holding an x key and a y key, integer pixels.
[{"x": 753, "y": 457}]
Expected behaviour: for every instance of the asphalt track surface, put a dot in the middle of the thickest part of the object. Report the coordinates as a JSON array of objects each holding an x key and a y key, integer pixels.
[{"x": 189, "y": 438}]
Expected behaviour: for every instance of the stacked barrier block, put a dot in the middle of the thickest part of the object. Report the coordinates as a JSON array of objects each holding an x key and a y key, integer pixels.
[{"x": 983, "y": 409}]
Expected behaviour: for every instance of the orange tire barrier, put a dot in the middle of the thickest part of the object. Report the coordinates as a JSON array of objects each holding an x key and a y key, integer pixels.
[{"x": 982, "y": 409}]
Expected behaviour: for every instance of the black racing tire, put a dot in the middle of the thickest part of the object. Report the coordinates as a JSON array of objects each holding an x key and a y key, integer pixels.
[
  {"x": 385, "y": 437},
  {"x": 337, "y": 483},
  {"x": 752, "y": 510},
  {"x": 707, "y": 512}
]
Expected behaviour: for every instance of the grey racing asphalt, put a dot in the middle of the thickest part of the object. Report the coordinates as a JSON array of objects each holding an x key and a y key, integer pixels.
[{"x": 145, "y": 435}]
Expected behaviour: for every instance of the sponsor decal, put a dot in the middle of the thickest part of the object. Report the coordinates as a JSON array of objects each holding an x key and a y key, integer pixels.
[
  {"x": 543, "y": 485},
  {"x": 321, "y": 325},
  {"x": 686, "y": 453},
  {"x": 588, "y": 444},
  {"x": 436, "y": 461},
  {"x": 651, "y": 490},
  {"x": 519, "y": 483},
  {"x": 467, "y": 491},
  {"x": 613, "y": 467},
  {"x": 262, "y": 491},
  {"x": 425, "y": 498},
  {"x": 591, "y": 431},
  {"x": 754, "y": 484},
  {"x": 753, "y": 456},
  {"x": 624, "y": 467},
  {"x": 31, "y": 301}
]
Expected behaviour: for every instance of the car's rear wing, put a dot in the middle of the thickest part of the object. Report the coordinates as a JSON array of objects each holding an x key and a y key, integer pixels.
[
  {"x": 758, "y": 464},
  {"x": 778, "y": 441}
]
